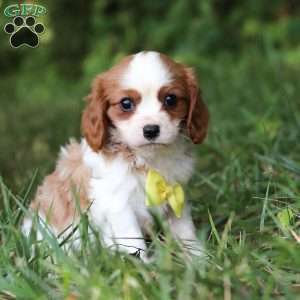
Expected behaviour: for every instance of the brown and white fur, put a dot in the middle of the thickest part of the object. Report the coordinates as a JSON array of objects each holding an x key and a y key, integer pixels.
[{"x": 107, "y": 169}]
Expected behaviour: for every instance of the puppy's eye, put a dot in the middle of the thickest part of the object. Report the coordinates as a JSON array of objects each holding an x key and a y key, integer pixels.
[
  {"x": 170, "y": 100},
  {"x": 127, "y": 104}
]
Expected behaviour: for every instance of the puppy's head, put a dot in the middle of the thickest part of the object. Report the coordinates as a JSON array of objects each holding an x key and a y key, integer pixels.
[{"x": 146, "y": 99}]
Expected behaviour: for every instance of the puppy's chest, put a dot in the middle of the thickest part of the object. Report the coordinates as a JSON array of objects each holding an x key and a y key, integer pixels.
[
  {"x": 175, "y": 165},
  {"x": 172, "y": 168},
  {"x": 121, "y": 179}
]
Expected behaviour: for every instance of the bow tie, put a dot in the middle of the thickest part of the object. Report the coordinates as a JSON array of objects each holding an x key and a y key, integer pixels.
[{"x": 159, "y": 191}]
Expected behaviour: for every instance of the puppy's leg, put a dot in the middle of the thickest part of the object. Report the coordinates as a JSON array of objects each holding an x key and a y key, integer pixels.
[
  {"x": 120, "y": 230},
  {"x": 183, "y": 229},
  {"x": 111, "y": 212},
  {"x": 69, "y": 238}
]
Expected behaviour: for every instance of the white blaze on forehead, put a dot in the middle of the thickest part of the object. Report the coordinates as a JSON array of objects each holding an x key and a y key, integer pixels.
[{"x": 146, "y": 73}]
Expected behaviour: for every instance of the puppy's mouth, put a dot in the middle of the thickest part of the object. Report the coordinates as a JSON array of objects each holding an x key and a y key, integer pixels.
[{"x": 153, "y": 144}]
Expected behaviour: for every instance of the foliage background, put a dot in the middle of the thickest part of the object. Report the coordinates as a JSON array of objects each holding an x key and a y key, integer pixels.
[{"x": 247, "y": 56}]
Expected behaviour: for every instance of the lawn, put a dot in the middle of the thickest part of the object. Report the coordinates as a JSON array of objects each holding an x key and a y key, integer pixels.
[{"x": 245, "y": 193}]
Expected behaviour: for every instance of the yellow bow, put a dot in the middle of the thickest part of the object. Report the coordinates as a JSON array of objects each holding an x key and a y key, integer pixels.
[{"x": 158, "y": 191}]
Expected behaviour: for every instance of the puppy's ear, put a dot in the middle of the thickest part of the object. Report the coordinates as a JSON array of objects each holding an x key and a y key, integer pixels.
[
  {"x": 198, "y": 116},
  {"x": 94, "y": 122}
]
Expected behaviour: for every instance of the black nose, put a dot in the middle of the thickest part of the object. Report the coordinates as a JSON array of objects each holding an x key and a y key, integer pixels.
[{"x": 151, "y": 131}]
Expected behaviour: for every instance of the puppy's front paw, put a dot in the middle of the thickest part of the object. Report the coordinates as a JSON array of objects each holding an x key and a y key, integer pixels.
[
  {"x": 142, "y": 255},
  {"x": 194, "y": 248}
]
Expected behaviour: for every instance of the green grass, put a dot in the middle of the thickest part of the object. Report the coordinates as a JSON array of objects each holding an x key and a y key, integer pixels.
[{"x": 245, "y": 195}]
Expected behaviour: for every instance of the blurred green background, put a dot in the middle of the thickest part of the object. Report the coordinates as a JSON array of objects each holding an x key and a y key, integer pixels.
[{"x": 247, "y": 55}]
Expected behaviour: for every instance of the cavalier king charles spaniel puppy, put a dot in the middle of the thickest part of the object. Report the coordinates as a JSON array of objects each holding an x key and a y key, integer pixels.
[{"x": 143, "y": 114}]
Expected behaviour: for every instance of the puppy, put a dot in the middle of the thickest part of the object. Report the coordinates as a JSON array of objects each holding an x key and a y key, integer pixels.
[{"x": 143, "y": 114}]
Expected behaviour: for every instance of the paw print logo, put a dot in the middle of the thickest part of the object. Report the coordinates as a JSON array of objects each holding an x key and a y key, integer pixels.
[{"x": 24, "y": 31}]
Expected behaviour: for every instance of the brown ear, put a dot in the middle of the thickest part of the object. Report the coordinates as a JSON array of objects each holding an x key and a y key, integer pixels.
[
  {"x": 94, "y": 121},
  {"x": 198, "y": 116}
]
